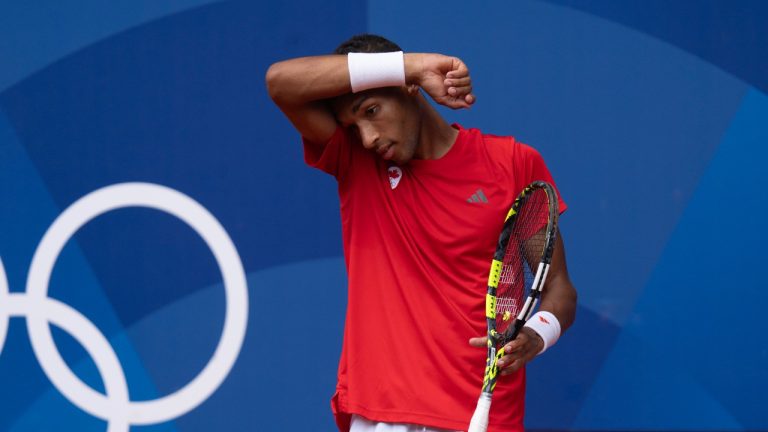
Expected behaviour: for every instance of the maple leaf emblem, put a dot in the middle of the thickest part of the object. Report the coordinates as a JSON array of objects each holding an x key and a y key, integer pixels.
[{"x": 395, "y": 174}]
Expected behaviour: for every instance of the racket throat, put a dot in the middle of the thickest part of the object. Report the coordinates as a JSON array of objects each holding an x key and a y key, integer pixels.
[{"x": 491, "y": 366}]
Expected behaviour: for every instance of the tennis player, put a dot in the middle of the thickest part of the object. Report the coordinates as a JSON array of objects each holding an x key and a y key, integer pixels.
[{"x": 422, "y": 202}]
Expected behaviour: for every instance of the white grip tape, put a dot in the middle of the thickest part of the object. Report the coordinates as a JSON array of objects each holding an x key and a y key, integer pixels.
[
  {"x": 374, "y": 70},
  {"x": 547, "y": 326},
  {"x": 479, "y": 422}
]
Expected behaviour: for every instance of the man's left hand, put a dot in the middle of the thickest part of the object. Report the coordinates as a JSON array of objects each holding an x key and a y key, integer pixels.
[{"x": 518, "y": 352}]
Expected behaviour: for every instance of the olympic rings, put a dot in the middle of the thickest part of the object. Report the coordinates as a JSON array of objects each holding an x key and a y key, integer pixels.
[{"x": 116, "y": 407}]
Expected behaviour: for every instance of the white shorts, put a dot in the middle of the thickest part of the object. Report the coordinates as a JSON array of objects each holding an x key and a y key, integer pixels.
[{"x": 362, "y": 424}]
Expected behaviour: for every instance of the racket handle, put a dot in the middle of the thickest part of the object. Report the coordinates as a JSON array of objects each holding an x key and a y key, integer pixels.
[{"x": 479, "y": 422}]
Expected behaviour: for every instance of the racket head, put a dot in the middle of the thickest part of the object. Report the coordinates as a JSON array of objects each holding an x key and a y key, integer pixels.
[{"x": 525, "y": 244}]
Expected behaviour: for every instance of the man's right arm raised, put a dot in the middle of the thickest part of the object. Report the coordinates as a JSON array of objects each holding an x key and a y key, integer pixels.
[{"x": 301, "y": 86}]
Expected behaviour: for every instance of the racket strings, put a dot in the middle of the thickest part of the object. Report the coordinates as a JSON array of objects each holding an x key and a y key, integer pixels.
[{"x": 522, "y": 255}]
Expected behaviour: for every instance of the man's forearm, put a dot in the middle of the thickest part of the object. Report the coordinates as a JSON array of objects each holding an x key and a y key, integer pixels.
[{"x": 306, "y": 79}]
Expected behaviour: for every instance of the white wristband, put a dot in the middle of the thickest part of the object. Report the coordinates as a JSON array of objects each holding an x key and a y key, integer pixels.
[
  {"x": 373, "y": 70},
  {"x": 547, "y": 326}
]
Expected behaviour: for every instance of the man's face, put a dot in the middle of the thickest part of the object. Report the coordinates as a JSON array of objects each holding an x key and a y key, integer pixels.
[{"x": 386, "y": 120}]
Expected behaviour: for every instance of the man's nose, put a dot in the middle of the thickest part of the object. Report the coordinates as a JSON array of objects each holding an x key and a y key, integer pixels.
[{"x": 369, "y": 137}]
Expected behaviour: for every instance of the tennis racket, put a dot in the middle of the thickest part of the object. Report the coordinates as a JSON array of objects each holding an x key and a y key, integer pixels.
[{"x": 518, "y": 271}]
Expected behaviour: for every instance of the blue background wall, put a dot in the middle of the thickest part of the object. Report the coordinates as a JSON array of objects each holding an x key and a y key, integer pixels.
[{"x": 652, "y": 116}]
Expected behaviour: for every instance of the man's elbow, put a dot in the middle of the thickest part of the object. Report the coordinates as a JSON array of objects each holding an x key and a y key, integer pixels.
[{"x": 275, "y": 82}]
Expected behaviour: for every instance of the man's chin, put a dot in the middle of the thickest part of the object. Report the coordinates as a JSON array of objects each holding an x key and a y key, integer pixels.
[{"x": 399, "y": 160}]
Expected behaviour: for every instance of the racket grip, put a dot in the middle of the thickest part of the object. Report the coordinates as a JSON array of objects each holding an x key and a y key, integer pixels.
[{"x": 479, "y": 422}]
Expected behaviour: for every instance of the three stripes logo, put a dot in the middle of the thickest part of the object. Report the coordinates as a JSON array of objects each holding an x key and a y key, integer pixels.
[{"x": 478, "y": 197}]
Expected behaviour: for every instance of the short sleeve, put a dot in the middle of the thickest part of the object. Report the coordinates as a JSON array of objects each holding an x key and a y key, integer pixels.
[
  {"x": 535, "y": 169},
  {"x": 333, "y": 157}
]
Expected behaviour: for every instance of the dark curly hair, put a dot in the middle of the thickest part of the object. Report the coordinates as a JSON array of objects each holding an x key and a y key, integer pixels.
[{"x": 367, "y": 43}]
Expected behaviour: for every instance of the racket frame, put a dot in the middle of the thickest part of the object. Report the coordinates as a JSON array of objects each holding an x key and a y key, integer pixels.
[{"x": 479, "y": 420}]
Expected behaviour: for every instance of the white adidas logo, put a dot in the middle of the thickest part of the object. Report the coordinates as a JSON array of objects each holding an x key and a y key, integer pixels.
[{"x": 478, "y": 197}]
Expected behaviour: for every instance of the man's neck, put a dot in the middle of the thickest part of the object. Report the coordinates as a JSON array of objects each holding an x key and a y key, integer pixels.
[{"x": 436, "y": 136}]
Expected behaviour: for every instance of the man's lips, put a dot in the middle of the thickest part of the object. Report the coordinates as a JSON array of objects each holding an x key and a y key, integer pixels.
[{"x": 386, "y": 151}]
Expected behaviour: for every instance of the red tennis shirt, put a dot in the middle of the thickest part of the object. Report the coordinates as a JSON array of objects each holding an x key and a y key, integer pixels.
[{"x": 418, "y": 242}]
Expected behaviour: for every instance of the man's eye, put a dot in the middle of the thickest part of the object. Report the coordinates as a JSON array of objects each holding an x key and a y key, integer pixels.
[{"x": 372, "y": 110}]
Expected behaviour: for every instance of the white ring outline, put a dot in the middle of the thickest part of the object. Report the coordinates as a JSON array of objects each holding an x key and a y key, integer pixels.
[
  {"x": 116, "y": 407},
  {"x": 94, "y": 342},
  {"x": 4, "y": 315}
]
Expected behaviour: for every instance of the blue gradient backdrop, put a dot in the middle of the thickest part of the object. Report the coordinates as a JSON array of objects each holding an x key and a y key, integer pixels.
[{"x": 653, "y": 118}]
